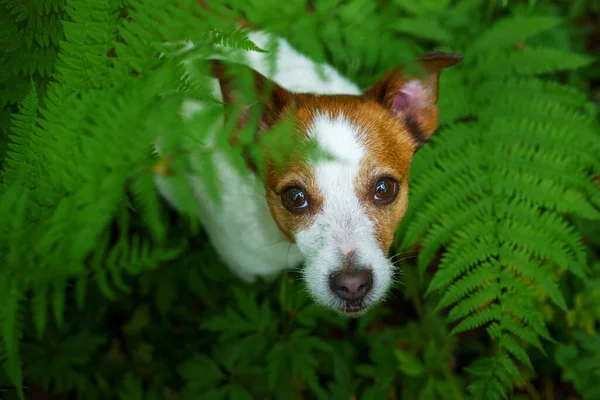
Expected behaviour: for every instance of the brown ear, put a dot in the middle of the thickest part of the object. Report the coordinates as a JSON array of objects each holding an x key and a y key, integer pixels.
[
  {"x": 413, "y": 97},
  {"x": 273, "y": 97}
]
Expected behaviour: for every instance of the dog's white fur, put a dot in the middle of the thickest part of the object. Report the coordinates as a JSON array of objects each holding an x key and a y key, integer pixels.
[
  {"x": 342, "y": 226},
  {"x": 242, "y": 229}
]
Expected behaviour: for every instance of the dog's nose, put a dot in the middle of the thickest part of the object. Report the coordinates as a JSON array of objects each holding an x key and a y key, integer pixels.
[{"x": 351, "y": 285}]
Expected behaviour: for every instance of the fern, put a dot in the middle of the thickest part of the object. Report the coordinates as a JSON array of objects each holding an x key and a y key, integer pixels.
[
  {"x": 492, "y": 194},
  {"x": 30, "y": 34},
  {"x": 501, "y": 198},
  {"x": 84, "y": 54},
  {"x": 71, "y": 154},
  {"x": 12, "y": 284},
  {"x": 509, "y": 31},
  {"x": 23, "y": 127}
]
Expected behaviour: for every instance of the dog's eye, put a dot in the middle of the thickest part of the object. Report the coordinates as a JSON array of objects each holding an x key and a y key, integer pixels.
[
  {"x": 294, "y": 198},
  {"x": 385, "y": 191}
]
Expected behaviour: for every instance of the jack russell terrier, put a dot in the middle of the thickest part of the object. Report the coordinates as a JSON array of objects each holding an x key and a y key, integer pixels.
[{"x": 337, "y": 217}]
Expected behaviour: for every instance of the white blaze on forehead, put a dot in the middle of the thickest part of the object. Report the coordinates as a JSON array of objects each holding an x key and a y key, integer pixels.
[
  {"x": 342, "y": 225},
  {"x": 338, "y": 136},
  {"x": 336, "y": 179}
]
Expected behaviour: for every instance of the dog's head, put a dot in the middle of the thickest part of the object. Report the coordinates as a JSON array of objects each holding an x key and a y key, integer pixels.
[{"x": 342, "y": 213}]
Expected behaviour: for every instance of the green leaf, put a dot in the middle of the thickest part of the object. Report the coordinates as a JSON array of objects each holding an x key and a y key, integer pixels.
[
  {"x": 428, "y": 392},
  {"x": 239, "y": 393},
  {"x": 201, "y": 372},
  {"x": 276, "y": 364},
  {"x": 532, "y": 61},
  {"x": 423, "y": 28},
  {"x": 408, "y": 363},
  {"x": 132, "y": 389},
  {"x": 139, "y": 320},
  {"x": 39, "y": 303},
  {"x": 511, "y": 30}
]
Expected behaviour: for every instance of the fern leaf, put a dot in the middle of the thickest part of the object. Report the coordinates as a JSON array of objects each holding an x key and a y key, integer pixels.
[
  {"x": 237, "y": 39},
  {"x": 511, "y": 30},
  {"x": 510, "y": 345},
  {"x": 40, "y": 308},
  {"x": 475, "y": 301},
  {"x": 482, "y": 276},
  {"x": 58, "y": 300},
  {"x": 23, "y": 125},
  {"x": 424, "y": 28},
  {"x": 491, "y": 195},
  {"x": 489, "y": 382},
  {"x": 482, "y": 317},
  {"x": 531, "y": 61},
  {"x": 519, "y": 262},
  {"x": 90, "y": 33},
  {"x": 519, "y": 331}
]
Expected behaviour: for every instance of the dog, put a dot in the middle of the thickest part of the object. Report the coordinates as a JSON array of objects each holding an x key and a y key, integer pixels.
[{"x": 336, "y": 217}]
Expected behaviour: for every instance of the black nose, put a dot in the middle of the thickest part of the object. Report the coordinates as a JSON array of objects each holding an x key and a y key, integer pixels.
[{"x": 351, "y": 285}]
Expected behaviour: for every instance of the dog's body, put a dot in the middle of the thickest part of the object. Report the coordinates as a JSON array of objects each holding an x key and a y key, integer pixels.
[
  {"x": 241, "y": 228},
  {"x": 344, "y": 227}
]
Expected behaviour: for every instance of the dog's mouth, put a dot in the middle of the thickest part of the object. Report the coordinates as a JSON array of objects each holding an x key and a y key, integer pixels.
[{"x": 352, "y": 307}]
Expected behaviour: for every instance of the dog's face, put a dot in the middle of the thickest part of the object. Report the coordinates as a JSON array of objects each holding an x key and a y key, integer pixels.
[{"x": 342, "y": 213}]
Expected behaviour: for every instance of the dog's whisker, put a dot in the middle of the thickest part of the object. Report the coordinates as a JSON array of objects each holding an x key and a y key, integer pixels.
[
  {"x": 396, "y": 256},
  {"x": 399, "y": 259}
]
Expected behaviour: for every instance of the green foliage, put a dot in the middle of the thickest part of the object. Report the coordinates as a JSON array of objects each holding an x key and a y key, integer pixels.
[
  {"x": 492, "y": 192},
  {"x": 579, "y": 363},
  {"x": 30, "y": 33},
  {"x": 106, "y": 294}
]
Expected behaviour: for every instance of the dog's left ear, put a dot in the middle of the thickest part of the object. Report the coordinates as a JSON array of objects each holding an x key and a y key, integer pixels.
[
  {"x": 413, "y": 97},
  {"x": 274, "y": 98}
]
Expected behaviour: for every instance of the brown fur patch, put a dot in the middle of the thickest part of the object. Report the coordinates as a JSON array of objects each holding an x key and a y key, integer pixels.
[
  {"x": 277, "y": 180},
  {"x": 390, "y": 150}
]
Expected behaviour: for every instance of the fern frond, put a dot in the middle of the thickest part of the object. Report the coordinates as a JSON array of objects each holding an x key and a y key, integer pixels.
[
  {"x": 478, "y": 319},
  {"x": 147, "y": 203},
  {"x": 423, "y": 28},
  {"x": 90, "y": 34},
  {"x": 237, "y": 39},
  {"x": 39, "y": 307},
  {"x": 530, "y": 61},
  {"x": 511, "y": 30},
  {"x": 478, "y": 238},
  {"x": 58, "y": 300},
  {"x": 492, "y": 377},
  {"x": 481, "y": 278},
  {"x": 491, "y": 195},
  {"x": 474, "y": 301},
  {"x": 511, "y": 346},
  {"x": 517, "y": 330},
  {"x": 23, "y": 127},
  {"x": 519, "y": 262}
]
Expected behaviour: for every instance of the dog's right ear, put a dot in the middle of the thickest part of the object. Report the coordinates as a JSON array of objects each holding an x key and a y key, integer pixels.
[
  {"x": 273, "y": 98},
  {"x": 413, "y": 98}
]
